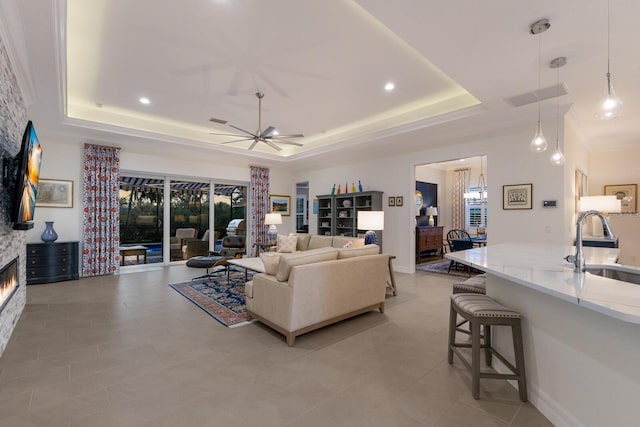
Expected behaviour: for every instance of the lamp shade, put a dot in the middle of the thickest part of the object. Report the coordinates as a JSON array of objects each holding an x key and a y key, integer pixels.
[
  {"x": 609, "y": 204},
  {"x": 273, "y": 219},
  {"x": 432, "y": 211},
  {"x": 371, "y": 220}
]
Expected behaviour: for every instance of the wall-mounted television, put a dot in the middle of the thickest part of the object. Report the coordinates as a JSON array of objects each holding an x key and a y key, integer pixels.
[{"x": 26, "y": 171}]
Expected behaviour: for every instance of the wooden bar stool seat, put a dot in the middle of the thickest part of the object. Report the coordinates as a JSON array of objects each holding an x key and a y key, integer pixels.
[{"x": 481, "y": 310}]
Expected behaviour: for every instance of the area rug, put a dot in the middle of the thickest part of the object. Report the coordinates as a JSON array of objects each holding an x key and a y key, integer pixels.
[
  {"x": 221, "y": 300},
  {"x": 442, "y": 266}
]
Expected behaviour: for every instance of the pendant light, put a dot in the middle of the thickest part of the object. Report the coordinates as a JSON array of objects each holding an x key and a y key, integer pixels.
[
  {"x": 482, "y": 183},
  {"x": 611, "y": 106},
  {"x": 557, "y": 158},
  {"x": 539, "y": 142}
]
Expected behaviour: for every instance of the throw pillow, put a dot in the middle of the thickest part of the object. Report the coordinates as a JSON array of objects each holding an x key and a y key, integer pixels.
[
  {"x": 287, "y": 244},
  {"x": 270, "y": 261},
  {"x": 349, "y": 244}
]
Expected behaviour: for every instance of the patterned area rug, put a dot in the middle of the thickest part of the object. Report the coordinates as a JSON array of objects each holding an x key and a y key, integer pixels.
[
  {"x": 441, "y": 267},
  {"x": 221, "y": 300}
]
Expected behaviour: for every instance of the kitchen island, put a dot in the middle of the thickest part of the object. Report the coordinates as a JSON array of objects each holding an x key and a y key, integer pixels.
[{"x": 581, "y": 331}]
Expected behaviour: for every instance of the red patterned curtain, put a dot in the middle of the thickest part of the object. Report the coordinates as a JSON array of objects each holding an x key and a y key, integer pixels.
[
  {"x": 460, "y": 185},
  {"x": 259, "y": 202},
  {"x": 101, "y": 217}
]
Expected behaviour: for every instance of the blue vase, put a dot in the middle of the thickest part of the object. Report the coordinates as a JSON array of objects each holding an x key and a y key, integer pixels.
[{"x": 49, "y": 235}]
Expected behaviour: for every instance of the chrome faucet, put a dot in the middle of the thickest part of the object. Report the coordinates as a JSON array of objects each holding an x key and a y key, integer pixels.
[{"x": 578, "y": 258}]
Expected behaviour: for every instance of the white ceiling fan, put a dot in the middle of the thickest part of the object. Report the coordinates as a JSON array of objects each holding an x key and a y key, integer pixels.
[{"x": 269, "y": 136}]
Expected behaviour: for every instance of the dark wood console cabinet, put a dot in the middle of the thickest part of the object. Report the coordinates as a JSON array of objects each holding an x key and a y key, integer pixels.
[
  {"x": 428, "y": 241},
  {"x": 52, "y": 262}
]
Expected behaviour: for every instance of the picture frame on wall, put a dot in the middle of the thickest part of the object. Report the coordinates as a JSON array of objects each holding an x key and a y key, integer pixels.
[
  {"x": 581, "y": 187},
  {"x": 392, "y": 201},
  {"x": 54, "y": 193},
  {"x": 280, "y": 204},
  {"x": 627, "y": 194},
  {"x": 517, "y": 196},
  {"x": 399, "y": 201}
]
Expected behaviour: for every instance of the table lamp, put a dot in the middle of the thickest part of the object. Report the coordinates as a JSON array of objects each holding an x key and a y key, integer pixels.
[
  {"x": 604, "y": 204},
  {"x": 432, "y": 211},
  {"x": 371, "y": 221},
  {"x": 271, "y": 219}
]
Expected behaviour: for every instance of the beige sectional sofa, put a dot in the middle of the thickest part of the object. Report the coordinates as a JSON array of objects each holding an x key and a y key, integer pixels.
[{"x": 306, "y": 290}]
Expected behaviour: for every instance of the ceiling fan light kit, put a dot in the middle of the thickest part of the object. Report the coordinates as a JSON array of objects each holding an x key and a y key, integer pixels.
[{"x": 270, "y": 136}]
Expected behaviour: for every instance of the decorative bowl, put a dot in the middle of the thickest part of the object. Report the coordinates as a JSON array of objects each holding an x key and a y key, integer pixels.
[{"x": 346, "y": 203}]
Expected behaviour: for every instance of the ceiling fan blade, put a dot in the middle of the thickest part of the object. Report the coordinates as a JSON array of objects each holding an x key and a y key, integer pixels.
[
  {"x": 224, "y": 134},
  {"x": 267, "y": 132},
  {"x": 288, "y": 143},
  {"x": 272, "y": 145},
  {"x": 245, "y": 131},
  {"x": 237, "y": 140},
  {"x": 294, "y": 135},
  {"x": 253, "y": 144},
  {"x": 214, "y": 120}
]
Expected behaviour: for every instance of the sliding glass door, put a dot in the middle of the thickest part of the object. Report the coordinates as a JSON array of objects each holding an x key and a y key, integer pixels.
[{"x": 192, "y": 209}]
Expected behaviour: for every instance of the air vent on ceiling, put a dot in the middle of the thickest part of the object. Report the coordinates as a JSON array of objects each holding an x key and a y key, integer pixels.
[{"x": 538, "y": 95}]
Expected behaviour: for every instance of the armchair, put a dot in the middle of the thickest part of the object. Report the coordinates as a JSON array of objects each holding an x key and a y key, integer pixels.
[
  {"x": 178, "y": 241},
  {"x": 198, "y": 247},
  {"x": 458, "y": 240},
  {"x": 232, "y": 247}
]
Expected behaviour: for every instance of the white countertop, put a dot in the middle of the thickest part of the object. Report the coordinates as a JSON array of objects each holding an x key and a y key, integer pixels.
[{"x": 543, "y": 268}]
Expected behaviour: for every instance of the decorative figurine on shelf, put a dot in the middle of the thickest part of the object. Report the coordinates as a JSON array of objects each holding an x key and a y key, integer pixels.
[
  {"x": 346, "y": 187},
  {"x": 339, "y": 189},
  {"x": 359, "y": 186},
  {"x": 353, "y": 187},
  {"x": 333, "y": 190}
]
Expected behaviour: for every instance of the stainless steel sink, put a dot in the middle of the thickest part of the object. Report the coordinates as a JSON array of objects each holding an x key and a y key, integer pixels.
[{"x": 616, "y": 273}]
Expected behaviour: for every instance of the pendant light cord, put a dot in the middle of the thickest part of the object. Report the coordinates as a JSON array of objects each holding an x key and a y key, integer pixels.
[
  {"x": 558, "y": 109},
  {"x": 608, "y": 37},
  {"x": 539, "y": 72}
]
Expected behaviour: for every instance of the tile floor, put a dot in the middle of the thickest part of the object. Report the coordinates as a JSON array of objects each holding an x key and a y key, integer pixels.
[{"x": 129, "y": 351}]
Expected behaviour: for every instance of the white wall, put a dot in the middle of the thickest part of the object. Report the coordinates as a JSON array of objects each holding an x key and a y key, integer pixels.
[
  {"x": 64, "y": 160},
  {"x": 509, "y": 161}
]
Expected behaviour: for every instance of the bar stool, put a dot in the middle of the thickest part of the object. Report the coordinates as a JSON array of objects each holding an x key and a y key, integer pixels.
[
  {"x": 479, "y": 310},
  {"x": 473, "y": 285}
]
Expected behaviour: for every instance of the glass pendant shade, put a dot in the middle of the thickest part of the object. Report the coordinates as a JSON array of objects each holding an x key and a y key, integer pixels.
[
  {"x": 557, "y": 158},
  {"x": 539, "y": 142},
  {"x": 611, "y": 106}
]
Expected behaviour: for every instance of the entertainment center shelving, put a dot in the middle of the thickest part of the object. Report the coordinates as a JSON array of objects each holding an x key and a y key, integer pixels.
[{"x": 338, "y": 213}]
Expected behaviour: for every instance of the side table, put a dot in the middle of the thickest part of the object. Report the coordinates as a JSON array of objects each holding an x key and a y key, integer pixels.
[{"x": 391, "y": 283}]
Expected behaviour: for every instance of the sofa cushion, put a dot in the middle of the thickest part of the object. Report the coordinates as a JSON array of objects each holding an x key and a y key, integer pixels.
[
  {"x": 287, "y": 244},
  {"x": 303, "y": 241},
  {"x": 318, "y": 241},
  {"x": 355, "y": 252},
  {"x": 288, "y": 261},
  {"x": 342, "y": 241},
  {"x": 270, "y": 261}
]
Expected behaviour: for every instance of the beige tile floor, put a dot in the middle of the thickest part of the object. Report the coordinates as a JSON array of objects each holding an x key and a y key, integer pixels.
[{"x": 129, "y": 351}]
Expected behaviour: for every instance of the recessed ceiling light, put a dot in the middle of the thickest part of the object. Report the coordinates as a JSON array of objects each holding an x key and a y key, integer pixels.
[
  {"x": 144, "y": 100},
  {"x": 389, "y": 87}
]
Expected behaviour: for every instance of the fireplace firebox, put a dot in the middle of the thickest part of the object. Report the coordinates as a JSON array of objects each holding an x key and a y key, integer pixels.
[{"x": 8, "y": 282}]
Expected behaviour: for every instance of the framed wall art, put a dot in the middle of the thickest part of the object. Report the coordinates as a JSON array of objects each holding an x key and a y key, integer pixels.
[
  {"x": 626, "y": 193},
  {"x": 399, "y": 200},
  {"x": 280, "y": 204},
  {"x": 518, "y": 196},
  {"x": 392, "y": 201},
  {"x": 54, "y": 193}
]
